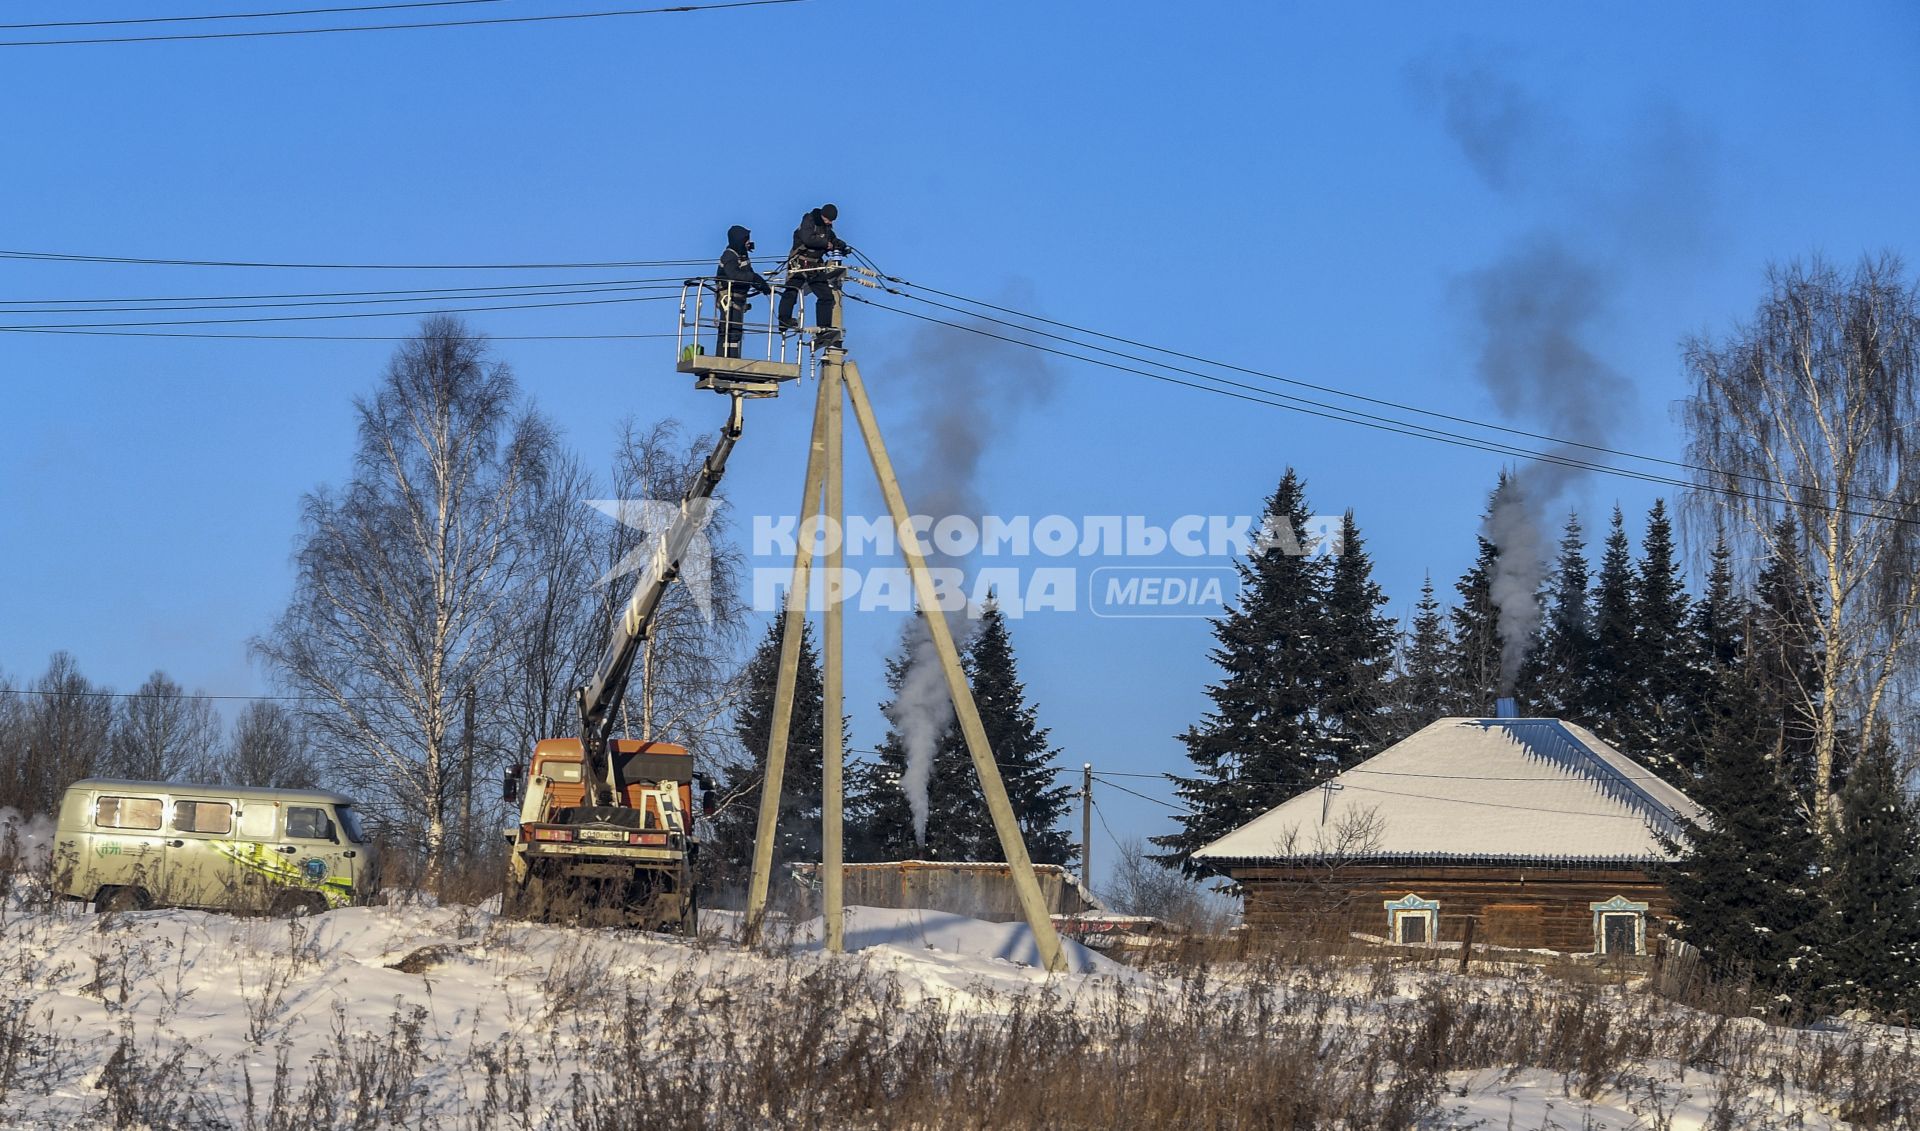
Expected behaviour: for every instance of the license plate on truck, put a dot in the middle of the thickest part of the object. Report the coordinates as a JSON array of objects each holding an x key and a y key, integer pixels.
[{"x": 610, "y": 836}]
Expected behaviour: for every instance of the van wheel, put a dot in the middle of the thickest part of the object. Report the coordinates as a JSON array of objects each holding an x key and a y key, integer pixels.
[
  {"x": 121, "y": 899},
  {"x": 296, "y": 905}
]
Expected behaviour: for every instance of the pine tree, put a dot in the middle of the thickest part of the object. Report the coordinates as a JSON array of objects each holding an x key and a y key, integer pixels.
[
  {"x": 1420, "y": 690},
  {"x": 1610, "y": 690},
  {"x": 1260, "y": 743},
  {"x": 1473, "y": 677},
  {"x": 1553, "y": 679},
  {"x": 1663, "y": 658},
  {"x": 798, "y": 837},
  {"x": 1874, "y": 891},
  {"x": 1028, "y": 765},
  {"x": 1357, "y": 655},
  {"x": 1743, "y": 892}
]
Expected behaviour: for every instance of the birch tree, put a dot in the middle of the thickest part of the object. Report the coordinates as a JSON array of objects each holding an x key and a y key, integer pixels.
[
  {"x": 160, "y": 733},
  {"x": 408, "y": 576},
  {"x": 684, "y": 680},
  {"x": 1811, "y": 413},
  {"x": 269, "y": 748}
]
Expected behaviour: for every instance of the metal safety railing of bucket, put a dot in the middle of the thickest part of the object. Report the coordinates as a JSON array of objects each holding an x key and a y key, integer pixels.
[{"x": 702, "y": 326}]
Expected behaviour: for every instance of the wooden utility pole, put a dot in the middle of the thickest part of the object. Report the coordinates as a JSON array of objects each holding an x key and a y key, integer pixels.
[
  {"x": 821, "y": 494},
  {"x": 466, "y": 783},
  {"x": 833, "y": 740},
  {"x": 1086, "y": 825},
  {"x": 1013, "y": 847},
  {"x": 780, "y": 726}
]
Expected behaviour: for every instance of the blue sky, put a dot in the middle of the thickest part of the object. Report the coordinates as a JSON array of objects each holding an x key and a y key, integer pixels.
[{"x": 1300, "y": 189}]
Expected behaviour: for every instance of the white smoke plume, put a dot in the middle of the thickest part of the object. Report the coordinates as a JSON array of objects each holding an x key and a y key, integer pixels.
[
  {"x": 921, "y": 712},
  {"x": 968, "y": 389}
]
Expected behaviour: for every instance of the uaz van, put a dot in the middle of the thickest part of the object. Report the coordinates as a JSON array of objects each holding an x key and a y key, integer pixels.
[{"x": 126, "y": 845}]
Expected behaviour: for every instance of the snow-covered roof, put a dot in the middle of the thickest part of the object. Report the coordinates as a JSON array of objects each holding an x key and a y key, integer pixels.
[{"x": 1477, "y": 790}]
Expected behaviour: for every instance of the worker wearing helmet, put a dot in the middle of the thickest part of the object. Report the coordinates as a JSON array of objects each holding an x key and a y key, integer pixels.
[
  {"x": 807, "y": 268},
  {"x": 735, "y": 282}
]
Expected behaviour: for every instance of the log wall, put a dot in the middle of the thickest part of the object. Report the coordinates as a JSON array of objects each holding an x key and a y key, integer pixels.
[{"x": 1517, "y": 907}]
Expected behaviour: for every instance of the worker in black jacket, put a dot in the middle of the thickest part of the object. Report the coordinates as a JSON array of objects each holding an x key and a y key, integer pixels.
[
  {"x": 735, "y": 282},
  {"x": 813, "y": 240}
]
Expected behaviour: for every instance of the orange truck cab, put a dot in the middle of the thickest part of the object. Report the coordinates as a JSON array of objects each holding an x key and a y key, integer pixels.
[{"x": 629, "y": 863}]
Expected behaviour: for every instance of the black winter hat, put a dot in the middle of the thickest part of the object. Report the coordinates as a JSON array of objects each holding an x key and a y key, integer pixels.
[{"x": 830, "y": 212}]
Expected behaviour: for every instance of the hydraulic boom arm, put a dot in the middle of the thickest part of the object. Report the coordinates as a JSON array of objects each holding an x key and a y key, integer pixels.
[{"x": 599, "y": 697}]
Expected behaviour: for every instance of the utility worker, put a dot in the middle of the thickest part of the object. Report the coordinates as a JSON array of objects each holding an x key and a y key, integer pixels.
[
  {"x": 736, "y": 282},
  {"x": 813, "y": 240}
]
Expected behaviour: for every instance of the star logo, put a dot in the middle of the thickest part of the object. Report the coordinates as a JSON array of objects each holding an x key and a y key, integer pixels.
[{"x": 663, "y": 529}]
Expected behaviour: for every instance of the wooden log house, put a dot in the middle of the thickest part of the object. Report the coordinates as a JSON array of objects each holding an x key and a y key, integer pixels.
[{"x": 1534, "y": 831}]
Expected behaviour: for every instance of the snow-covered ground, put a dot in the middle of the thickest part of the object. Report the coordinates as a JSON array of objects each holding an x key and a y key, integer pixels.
[{"x": 450, "y": 1017}]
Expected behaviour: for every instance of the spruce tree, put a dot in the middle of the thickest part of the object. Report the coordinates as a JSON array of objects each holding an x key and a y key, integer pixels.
[
  {"x": 1473, "y": 677},
  {"x": 1611, "y": 687},
  {"x": 1260, "y": 743},
  {"x": 1357, "y": 655},
  {"x": 1420, "y": 690},
  {"x": 1784, "y": 656},
  {"x": 731, "y": 854},
  {"x": 879, "y": 819},
  {"x": 1553, "y": 679},
  {"x": 1028, "y": 765},
  {"x": 1744, "y": 890},
  {"x": 1717, "y": 641},
  {"x": 959, "y": 827},
  {"x": 1663, "y": 657},
  {"x": 1874, "y": 892}
]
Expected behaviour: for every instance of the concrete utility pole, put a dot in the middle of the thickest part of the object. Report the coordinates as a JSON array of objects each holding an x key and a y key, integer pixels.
[{"x": 1086, "y": 825}]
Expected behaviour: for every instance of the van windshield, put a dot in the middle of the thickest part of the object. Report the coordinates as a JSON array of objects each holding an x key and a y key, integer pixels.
[{"x": 350, "y": 821}]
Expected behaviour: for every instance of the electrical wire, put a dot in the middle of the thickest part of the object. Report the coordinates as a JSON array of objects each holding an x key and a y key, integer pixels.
[
  {"x": 1239, "y": 391},
  {"x": 346, "y": 337},
  {"x": 330, "y": 317},
  {"x": 246, "y": 15},
  {"x": 448, "y": 297},
  {"x": 679, "y": 9},
  {"x": 1328, "y": 389},
  {"x": 421, "y": 292},
  {"x": 142, "y": 261}
]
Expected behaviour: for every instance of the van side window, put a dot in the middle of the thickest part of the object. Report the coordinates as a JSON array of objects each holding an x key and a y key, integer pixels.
[
  {"x": 202, "y": 816},
  {"x": 256, "y": 820},
  {"x": 306, "y": 823},
  {"x": 127, "y": 813}
]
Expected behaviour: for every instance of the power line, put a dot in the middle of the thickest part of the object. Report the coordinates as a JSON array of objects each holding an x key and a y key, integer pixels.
[
  {"x": 449, "y": 297},
  {"x": 331, "y": 317},
  {"x": 490, "y": 21},
  {"x": 345, "y": 337},
  {"x": 1242, "y": 392},
  {"x": 1328, "y": 389},
  {"x": 421, "y": 292},
  {"x": 245, "y": 15},
  {"x": 142, "y": 261}
]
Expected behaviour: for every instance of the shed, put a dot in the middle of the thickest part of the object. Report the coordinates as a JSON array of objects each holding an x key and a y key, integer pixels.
[{"x": 1534, "y": 831}]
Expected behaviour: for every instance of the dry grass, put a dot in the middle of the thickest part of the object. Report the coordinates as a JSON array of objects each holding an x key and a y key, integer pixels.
[{"x": 618, "y": 1032}]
